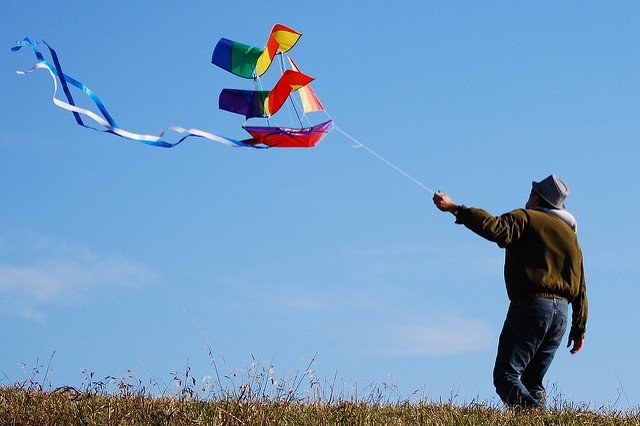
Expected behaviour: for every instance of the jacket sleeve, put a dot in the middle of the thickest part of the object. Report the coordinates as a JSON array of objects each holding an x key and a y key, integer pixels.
[
  {"x": 579, "y": 310},
  {"x": 502, "y": 230}
]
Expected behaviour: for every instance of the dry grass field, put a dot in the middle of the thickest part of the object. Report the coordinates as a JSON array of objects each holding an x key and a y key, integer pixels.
[{"x": 257, "y": 398}]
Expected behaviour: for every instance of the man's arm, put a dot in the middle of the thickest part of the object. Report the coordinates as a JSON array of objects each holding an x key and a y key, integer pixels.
[
  {"x": 579, "y": 308},
  {"x": 502, "y": 230}
]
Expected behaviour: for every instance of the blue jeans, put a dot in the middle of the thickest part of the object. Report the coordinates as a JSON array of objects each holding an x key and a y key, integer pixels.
[{"x": 531, "y": 334}]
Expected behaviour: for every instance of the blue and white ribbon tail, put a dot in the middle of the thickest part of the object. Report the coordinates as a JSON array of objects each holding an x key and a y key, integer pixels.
[{"x": 105, "y": 121}]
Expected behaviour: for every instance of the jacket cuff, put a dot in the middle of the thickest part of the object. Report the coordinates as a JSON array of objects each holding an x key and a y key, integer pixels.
[
  {"x": 460, "y": 213},
  {"x": 576, "y": 333}
]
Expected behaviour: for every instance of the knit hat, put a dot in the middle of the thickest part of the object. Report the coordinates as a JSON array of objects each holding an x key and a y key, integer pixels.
[{"x": 553, "y": 190}]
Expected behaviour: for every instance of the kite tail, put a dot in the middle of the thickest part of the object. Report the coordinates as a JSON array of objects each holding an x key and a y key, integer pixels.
[{"x": 105, "y": 120}]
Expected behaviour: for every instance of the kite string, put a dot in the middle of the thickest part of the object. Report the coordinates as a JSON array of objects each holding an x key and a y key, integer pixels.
[{"x": 372, "y": 152}]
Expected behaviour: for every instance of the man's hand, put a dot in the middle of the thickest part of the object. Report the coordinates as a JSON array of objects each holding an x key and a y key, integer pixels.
[
  {"x": 577, "y": 345},
  {"x": 444, "y": 202}
]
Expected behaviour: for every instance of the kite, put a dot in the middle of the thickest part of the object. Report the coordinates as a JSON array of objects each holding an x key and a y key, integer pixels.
[
  {"x": 250, "y": 62},
  {"x": 240, "y": 59}
]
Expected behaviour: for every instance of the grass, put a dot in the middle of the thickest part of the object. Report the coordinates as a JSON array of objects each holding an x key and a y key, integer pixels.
[
  {"x": 260, "y": 399},
  {"x": 65, "y": 407}
]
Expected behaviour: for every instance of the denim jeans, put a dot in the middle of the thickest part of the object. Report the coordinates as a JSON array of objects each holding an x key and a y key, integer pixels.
[{"x": 531, "y": 334}]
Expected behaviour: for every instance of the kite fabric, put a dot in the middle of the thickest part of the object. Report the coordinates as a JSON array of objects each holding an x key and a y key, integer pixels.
[
  {"x": 249, "y": 103},
  {"x": 289, "y": 82},
  {"x": 262, "y": 103},
  {"x": 106, "y": 121},
  {"x": 281, "y": 39},
  {"x": 243, "y": 60},
  {"x": 280, "y": 137},
  {"x": 310, "y": 101},
  {"x": 237, "y": 58}
]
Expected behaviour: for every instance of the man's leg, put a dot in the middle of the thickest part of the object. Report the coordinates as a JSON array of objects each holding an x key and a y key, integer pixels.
[
  {"x": 522, "y": 334},
  {"x": 533, "y": 374}
]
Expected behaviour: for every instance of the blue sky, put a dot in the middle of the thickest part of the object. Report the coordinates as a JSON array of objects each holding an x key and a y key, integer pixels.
[{"x": 118, "y": 256}]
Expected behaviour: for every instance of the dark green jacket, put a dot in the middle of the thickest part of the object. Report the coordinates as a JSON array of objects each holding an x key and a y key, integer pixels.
[{"x": 542, "y": 259}]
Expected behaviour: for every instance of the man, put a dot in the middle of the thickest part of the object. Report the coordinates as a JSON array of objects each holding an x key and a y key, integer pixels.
[{"x": 543, "y": 273}]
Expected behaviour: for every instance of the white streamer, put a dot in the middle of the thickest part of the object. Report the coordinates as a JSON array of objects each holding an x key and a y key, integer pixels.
[{"x": 118, "y": 131}]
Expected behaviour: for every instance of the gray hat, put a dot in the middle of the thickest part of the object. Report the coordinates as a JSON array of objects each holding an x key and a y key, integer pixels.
[{"x": 553, "y": 190}]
